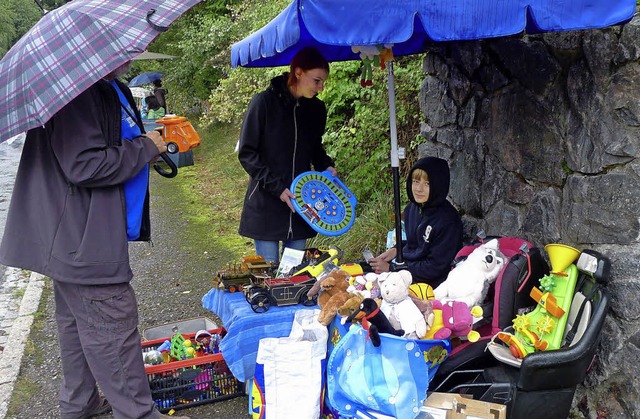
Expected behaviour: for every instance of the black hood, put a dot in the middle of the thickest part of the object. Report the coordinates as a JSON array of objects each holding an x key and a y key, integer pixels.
[{"x": 439, "y": 177}]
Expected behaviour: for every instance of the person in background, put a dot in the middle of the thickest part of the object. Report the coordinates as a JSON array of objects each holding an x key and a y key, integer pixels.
[
  {"x": 433, "y": 226},
  {"x": 281, "y": 137},
  {"x": 81, "y": 193},
  {"x": 160, "y": 93},
  {"x": 144, "y": 109},
  {"x": 155, "y": 111}
]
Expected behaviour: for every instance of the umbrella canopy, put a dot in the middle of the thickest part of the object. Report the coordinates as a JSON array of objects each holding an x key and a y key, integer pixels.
[
  {"x": 140, "y": 92},
  {"x": 334, "y": 26},
  {"x": 148, "y": 55},
  {"x": 407, "y": 26},
  {"x": 145, "y": 78},
  {"x": 71, "y": 48}
]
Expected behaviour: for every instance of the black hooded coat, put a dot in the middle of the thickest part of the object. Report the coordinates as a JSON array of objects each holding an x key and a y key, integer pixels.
[
  {"x": 281, "y": 137},
  {"x": 433, "y": 229}
]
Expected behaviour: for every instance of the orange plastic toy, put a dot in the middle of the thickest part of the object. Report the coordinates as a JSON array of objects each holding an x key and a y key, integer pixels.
[{"x": 178, "y": 130}]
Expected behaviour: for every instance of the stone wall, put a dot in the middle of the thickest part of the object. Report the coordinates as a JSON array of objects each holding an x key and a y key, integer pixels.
[{"x": 542, "y": 135}]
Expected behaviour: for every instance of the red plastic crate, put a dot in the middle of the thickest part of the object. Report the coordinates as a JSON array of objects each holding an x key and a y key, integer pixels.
[{"x": 191, "y": 382}]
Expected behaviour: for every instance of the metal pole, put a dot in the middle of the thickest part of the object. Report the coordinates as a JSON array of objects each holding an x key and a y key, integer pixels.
[{"x": 395, "y": 162}]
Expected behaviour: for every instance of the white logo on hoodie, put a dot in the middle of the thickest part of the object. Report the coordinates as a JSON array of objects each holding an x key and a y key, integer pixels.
[{"x": 427, "y": 232}]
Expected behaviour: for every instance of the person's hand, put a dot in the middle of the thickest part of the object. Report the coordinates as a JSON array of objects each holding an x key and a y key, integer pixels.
[
  {"x": 333, "y": 171},
  {"x": 286, "y": 196},
  {"x": 382, "y": 262},
  {"x": 157, "y": 139},
  {"x": 388, "y": 255},
  {"x": 378, "y": 264}
]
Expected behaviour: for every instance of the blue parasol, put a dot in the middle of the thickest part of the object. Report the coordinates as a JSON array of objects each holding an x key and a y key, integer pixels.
[
  {"x": 145, "y": 78},
  {"x": 408, "y": 26}
]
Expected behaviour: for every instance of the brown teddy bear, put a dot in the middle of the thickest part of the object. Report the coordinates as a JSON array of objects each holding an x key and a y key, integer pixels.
[
  {"x": 351, "y": 305},
  {"x": 333, "y": 294}
]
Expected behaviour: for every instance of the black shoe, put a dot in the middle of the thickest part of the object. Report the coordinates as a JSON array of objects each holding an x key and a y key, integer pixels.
[{"x": 102, "y": 408}]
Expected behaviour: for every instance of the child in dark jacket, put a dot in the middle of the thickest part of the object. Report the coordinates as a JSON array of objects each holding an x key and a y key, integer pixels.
[{"x": 433, "y": 226}]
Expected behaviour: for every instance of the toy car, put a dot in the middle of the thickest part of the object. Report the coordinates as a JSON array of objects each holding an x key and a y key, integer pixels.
[
  {"x": 233, "y": 282},
  {"x": 280, "y": 292},
  {"x": 237, "y": 277}
]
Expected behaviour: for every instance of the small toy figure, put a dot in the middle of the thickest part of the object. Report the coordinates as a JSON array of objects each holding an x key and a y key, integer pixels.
[
  {"x": 372, "y": 55},
  {"x": 373, "y": 321},
  {"x": 454, "y": 318}
]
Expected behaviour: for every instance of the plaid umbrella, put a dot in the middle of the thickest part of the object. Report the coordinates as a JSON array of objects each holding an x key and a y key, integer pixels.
[{"x": 70, "y": 49}]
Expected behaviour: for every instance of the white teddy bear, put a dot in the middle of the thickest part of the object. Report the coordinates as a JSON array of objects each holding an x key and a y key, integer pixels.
[
  {"x": 399, "y": 308},
  {"x": 469, "y": 281}
]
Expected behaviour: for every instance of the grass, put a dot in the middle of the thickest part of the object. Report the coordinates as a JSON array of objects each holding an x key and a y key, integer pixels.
[
  {"x": 25, "y": 388},
  {"x": 209, "y": 195},
  {"x": 212, "y": 192}
]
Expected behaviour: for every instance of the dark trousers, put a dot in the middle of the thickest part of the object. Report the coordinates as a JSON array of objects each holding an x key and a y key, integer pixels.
[{"x": 100, "y": 343}]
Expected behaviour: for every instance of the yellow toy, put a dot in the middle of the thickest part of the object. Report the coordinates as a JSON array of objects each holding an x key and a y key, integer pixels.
[{"x": 542, "y": 329}]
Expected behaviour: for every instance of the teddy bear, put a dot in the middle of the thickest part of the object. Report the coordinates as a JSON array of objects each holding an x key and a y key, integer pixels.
[
  {"x": 332, "y": 295},
  {"x": 454, "y": 318},
  {"x": 469, "y": 281},
  {"x": 350, "y": 306},
  {"x": 399, "y": 308}
]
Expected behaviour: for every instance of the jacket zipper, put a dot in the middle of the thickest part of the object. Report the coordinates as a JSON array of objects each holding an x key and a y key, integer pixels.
[
  {"x": 293, "y": 163},
  {"x": 254, "y": 189}
]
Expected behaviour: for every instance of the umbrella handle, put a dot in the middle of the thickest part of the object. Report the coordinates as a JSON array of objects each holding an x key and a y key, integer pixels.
[
  {"x": 153, "y": 25},
  {"x": 172, "y": 166}
]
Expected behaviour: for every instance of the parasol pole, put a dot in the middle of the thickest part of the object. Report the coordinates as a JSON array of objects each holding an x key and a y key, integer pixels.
[{"x": 395, "y": 162}]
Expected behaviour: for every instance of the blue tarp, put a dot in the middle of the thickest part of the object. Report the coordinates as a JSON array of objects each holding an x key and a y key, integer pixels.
[{"x": 333, "y": 26}]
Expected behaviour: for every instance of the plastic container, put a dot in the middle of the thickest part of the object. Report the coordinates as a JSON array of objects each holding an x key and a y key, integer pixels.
[
  {"x": 190, "y": 382},
  {"x": 184, "y": 327}
]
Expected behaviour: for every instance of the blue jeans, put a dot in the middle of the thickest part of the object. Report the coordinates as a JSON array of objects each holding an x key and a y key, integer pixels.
[{"x": 271, "y": 252}]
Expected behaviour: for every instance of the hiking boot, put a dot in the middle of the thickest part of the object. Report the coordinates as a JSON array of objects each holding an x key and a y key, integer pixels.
[{"x": 102, "y": 408}]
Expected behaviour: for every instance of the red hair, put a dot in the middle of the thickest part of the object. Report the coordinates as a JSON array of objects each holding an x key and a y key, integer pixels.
[{"x": 308, "y": 58}]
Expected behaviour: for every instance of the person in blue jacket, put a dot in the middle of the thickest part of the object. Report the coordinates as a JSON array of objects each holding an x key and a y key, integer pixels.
[
  {"x": 281, "y": 137},
  {"x": 432, "y": 225}
]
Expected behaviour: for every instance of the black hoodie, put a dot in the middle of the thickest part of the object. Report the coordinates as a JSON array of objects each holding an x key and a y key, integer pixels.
[
  {"x": 281, "y": 137},
  {"x": 434, "y": 229}
]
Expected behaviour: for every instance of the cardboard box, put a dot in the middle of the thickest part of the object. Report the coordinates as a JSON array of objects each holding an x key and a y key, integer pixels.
[{"x": 455, "y": 406}]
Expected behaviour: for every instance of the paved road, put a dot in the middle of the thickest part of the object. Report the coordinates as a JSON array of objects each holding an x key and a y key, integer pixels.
[{"x": 19, "y": 291}]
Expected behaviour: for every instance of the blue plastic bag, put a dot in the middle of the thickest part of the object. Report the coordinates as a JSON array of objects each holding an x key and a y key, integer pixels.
[{"x": 391, "y": 379}]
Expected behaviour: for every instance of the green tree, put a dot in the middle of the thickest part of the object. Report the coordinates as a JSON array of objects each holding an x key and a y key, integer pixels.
[{"x": 16, "y": 18}]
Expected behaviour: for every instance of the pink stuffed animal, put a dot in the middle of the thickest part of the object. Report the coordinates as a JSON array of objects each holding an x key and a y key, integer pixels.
[{"x": 454, "y": 318}]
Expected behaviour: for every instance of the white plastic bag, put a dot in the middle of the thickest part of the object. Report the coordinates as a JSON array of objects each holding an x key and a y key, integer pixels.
[{"x": 293, "y": 369}]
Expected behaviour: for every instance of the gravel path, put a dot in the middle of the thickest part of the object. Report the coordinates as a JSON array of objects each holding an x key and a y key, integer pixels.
[{"x": 169, "y": 286}]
